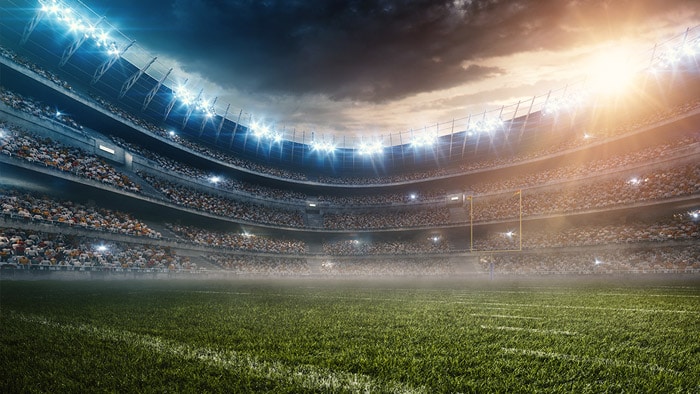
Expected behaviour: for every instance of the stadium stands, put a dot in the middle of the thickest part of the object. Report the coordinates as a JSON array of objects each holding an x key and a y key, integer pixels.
[{"x": 610, "y": 179}]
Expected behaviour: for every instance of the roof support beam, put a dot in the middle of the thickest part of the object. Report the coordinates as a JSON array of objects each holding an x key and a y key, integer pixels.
[
  {"x": 72, "y": 48},
  {"x": 152, "y": 93},
  {"x": 104, "y": 67},
  {"x": 129, "y": 83}
]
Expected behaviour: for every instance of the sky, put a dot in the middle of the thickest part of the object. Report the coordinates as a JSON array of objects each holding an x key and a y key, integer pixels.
[{"x": 363, "y": 68}]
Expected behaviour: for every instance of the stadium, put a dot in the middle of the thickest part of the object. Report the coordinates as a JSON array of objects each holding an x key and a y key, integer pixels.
[{"x": 155, "y": 239}]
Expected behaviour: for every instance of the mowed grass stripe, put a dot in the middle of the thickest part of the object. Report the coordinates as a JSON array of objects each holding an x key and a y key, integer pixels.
[{"x": 306, "y": 376}]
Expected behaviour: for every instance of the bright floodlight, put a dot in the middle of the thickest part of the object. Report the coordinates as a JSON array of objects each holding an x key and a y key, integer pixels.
[
  {"x": 263, "y": 132},
  {"x": 486, "y": 125},
  {"x": 425, "y": 139},
  {"x": 370, "y": 148},
  {"x": 567, "y": 103},
  {"x": 76, "y": 24},
  {"x": 184, "y": 95},
  {"x": 322, "y": 146}
]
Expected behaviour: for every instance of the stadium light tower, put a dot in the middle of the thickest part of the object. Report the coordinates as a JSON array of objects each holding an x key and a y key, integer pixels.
[
  {"x": 115, "y": 54},
  {"x": 134, "y": 77},
  {"x": 78, "y": 42},
  {"x": 152, "y": 93}
]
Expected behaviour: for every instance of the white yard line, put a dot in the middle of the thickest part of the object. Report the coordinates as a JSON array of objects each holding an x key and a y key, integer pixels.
[
  {"x": 309, "y": 377},
  {"x": 597, "y": 308},
  {"x": 505, "y": 316},
  {"x": 534, "y": 330},
  {"x": 590, "y": 360}
]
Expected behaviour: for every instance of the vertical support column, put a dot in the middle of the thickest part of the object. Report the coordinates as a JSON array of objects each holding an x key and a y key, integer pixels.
[
  {"x": 190, "y": 108},
  {"x": 221, "y": 123},
  {"x": 172, "y": 103},
  {"x": 235, "y": 128},
  {"x": 207, "y": 115}
]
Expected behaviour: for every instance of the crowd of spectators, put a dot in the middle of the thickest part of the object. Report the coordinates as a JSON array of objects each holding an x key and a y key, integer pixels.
[
  {"x": 392, "y": 267},
  {"x": 649, "y": 185},
  {"x": 35, "y": 108},
  {"x": 208, "y": 178},
  {"x": 237, "y": 241},
  {"x": 580, "y": 169},
  {"x": 26, "y": 63},
  {"x": 261, "y": 265},
  {"x": 662, "y": 151},
  {"x": 28, "y": 206},
  {"x": 33, "y": 249},
  {"x": 238, "y": 210},
  {"x": 655, "y": 259},
  {"x": 679, "y": 228},
  {"x": 18, "y": 143},
  {"x": 361, "y": 248},
  {"x": 403, "y": 218}
]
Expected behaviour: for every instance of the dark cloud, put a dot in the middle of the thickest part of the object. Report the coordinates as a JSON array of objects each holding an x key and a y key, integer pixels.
[{"x": 369, "y": 51}]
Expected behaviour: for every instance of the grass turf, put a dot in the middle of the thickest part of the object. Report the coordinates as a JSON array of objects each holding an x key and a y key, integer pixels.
[{"x": 350, "y": 336}]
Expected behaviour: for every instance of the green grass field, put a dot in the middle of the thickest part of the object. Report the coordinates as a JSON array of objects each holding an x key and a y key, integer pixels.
[{"x": 299, "y": 336}]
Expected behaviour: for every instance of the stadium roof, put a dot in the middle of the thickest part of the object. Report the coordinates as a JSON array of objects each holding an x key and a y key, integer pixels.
[{"x": 412, "y": 85}]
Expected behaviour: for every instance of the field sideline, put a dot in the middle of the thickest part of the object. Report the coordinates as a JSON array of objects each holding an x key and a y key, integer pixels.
[{"x": 555, "y": 335}]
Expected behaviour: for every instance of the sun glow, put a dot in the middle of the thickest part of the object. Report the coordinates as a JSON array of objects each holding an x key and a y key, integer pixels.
[{"x": 610, "y": 72}]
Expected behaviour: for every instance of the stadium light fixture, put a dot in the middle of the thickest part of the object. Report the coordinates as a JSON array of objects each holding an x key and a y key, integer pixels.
[
  {"x": 370, "y": 148},
  {"x": 565, "y": 103},
  {"x": 695, "y": 215},
  {"x": 486, "y": 125},
  {"x": 262, "y": 132},
  {"x": 184, "y": 95},
  {"x": 322, "y": 146},
  {"x": 78, "y": 25},
  {"x": 423, "y": 140}
]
